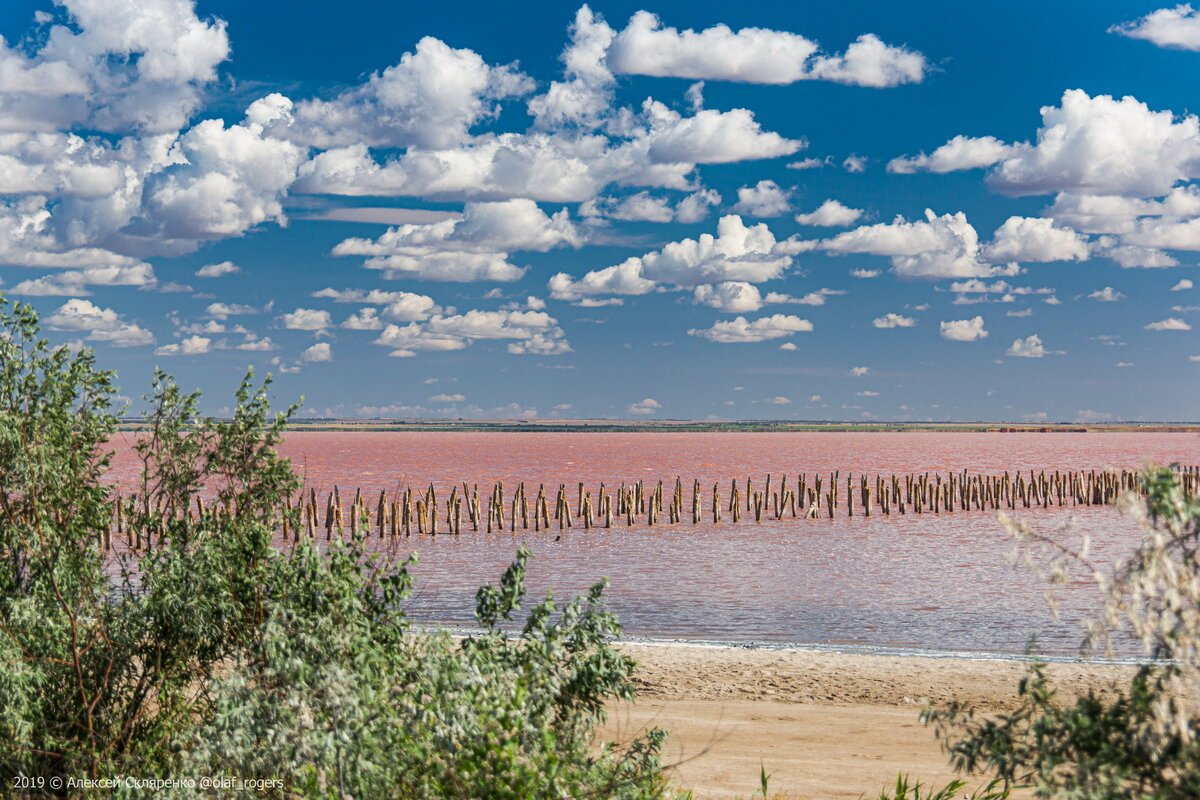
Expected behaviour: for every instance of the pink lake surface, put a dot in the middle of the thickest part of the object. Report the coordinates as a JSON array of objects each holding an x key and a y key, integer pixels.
[{"x": 924, "y": 582}]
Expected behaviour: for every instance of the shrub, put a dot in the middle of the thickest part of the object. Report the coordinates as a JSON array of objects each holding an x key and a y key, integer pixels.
[
  {"x": 1140, "y": 742},
  {"x": 215, "y": 653}
]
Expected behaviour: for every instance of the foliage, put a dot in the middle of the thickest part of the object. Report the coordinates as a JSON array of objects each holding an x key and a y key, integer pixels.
[
  {"x": 906, "y": 790},
  {"x": 1142, "y": 740},
  {"x": 215, "y": 653}
]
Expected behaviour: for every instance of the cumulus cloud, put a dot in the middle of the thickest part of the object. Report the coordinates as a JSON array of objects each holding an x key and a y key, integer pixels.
[
  {"x": 764, "y": 199},
  {"x": 321, "y": 351},
  {"x": 858, "y": 372},
  {"x": 98, "y": 324},
  {"x": 222, "y": 181},
  {"x": 645, "y": 406},
  {"x": 429, "y": 99},
  {"x": 190, "y": 346},
  {"x": 1107, "y": 295},
  {"x": 1182, "y": 285},
  {"x": 447, "y": 398},
  {"x": 740, "y": 330},
  {"x": 218, "y": 270},
  {"x": 75, "y": 282},
  {"x": 893, "y": 320},
  {"x": 585, "y": 95},
  {"x": 647, "y": 207},
  {"x": 1169, "y": 324},
  {"x": 964, "y": 330},
  {"x": 831, "y": 214},
  {"x": 945, "y": 246},
  {"x": 398, "y": 306},
  {"x": 306, "y": 319},
  {"x": 855, "y": 164},
  {"x": 472, "y": 247},
  {"x": 730, "y": 296},
  {"x": 224, "y": 311},
  {"x": 528, "y": 332},
  {"x": 960, "y": 153},
  {"x": 113, "y": 67},
  {"x": 1034, "y": 239},
  {"x": 756, "y": 55},
  {"x": 1101, "y": 145},
  {"x": 1177, "y": 27},
  {"x": 1029, "y": 347},
  {"x": 737, "y": 253}
]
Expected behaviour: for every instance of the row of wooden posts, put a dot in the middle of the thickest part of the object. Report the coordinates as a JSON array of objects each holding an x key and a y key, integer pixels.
[{"x": 420, "y": 512}]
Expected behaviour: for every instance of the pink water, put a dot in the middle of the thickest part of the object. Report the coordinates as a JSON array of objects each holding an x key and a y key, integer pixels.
[{"x": 927, "y": 582}]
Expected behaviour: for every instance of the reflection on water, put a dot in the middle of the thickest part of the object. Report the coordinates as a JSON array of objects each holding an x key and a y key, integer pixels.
[{"x": 921, "y": 581}]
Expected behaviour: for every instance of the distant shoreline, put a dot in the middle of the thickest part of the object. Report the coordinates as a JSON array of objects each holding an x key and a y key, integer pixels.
[{"x": 695, "y": 426}]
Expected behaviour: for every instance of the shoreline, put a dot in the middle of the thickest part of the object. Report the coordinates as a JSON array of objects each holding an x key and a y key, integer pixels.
[{"x": 823, "y": 724}]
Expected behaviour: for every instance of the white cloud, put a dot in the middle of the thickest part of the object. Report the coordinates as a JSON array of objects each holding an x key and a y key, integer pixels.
[
  {"x": 190, "y": 346},
  {"x": 816, "y": 298},
  {"x": 864, "y": 274},
  {"x": 1177, "y": 27},
  {"x": 944, "y": 246},
  {"x": 646, "y": 207},
  {"x": 98, "y": 324},
  {"x": 811, "y": 163},
  {"x": 866, "y": 393},
  {"x": 1034, "y": 239},
  {"x": 893, "y": 320},
  {"x": 858, "y": 372},
  {"x": 472, "y": 247},
  {"x": 855, "y": 164},
  {"x": 321, "y": 351},
  {"x": 365, "y": 319},
  {"x": 530, "y": 332},
  {"x": 586, "y": 94},
  {"x": 430, "y": 99},
  {"x": 780, "y": 400},
  {"x": 447, "y": 398},
  {"x": 306, "y": 319},
  {"x": 218, "y": 270},
  {"x": 764, "y": 199},
  {"x": 737, "y": 253},
  {"x": 646, "y": 406},
  {"x": 960, "y": 153},
  {"x": 756, "y": 55},
  {"x": 739, "y": 329},
  {"x": 831, "y": 214},
  {"x": 1029, "y": 347},
  {"x": 1182, "y": 285},
  {"x": 74, "y": 283},
  {"x": 1169, "y": 324},
  {"x": 730, "y": 296},
  {"x": 1093, "y": 146},
  {"x": 399, "y": 306},
  {"x": 114, "y": 67},
  {"x": 789, "y": 346},
  {"x": 224, "y": 311},
  {"x": 964, "y": 330},
  {"x": 1107, "y": 295},
  {"x": 223, "y": 181},
  {"x": 714, "y": 137}
]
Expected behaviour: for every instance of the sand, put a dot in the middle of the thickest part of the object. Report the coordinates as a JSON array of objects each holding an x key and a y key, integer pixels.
[{"x": 824, "y": 725}]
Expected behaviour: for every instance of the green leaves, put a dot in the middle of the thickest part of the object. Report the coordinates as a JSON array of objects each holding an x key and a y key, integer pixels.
[{"x": 211, "y": 652}]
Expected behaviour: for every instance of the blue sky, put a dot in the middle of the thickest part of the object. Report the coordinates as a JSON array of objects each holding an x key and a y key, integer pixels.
[{"x": 859, "y": 212}]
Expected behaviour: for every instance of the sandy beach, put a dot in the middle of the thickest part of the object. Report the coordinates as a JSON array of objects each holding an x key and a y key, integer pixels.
[{"x": 824, "y": 725}]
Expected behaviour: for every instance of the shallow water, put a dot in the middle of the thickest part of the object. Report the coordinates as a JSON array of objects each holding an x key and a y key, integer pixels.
[{"x": 924, "y": 582}]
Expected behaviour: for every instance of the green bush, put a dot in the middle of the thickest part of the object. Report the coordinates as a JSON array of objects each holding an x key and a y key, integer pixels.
[
  {"x": 217, "y": 654},
  {"x": 1140, "y": 741}
]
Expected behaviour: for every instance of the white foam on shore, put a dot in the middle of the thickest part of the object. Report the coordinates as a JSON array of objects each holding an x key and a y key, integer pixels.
[{"x": 841, "y": 649}]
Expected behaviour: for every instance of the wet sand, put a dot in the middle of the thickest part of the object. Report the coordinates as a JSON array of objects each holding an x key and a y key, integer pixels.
[{"x": 824, "y": 725}]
